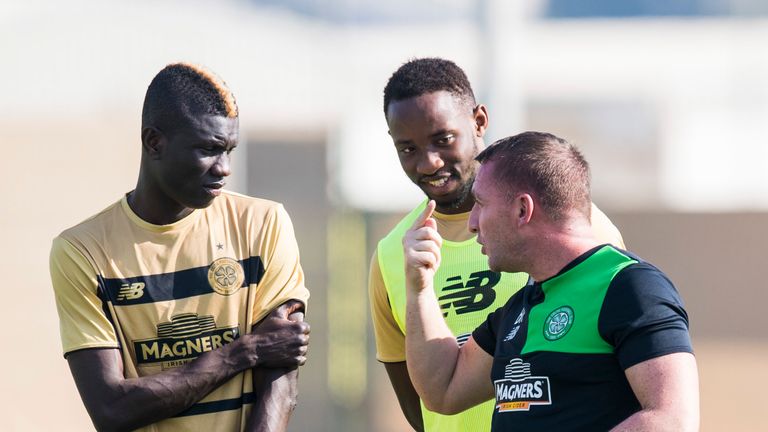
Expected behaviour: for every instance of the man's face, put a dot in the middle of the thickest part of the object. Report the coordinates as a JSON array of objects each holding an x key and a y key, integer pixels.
[
  {"x": 494, "y": 220},
  {"x": 437, "y": 137},
  {"x": 194, "y": 160}
]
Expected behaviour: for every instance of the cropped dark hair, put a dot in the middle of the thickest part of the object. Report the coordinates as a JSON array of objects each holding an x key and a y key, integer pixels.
[
  {"x": 550, "y": 168},
  {"x": 428, "y": 75},
  {"x": 184, "y": 89}
]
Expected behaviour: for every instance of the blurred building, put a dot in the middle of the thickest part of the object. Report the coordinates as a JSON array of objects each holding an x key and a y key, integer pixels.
[{"x": 667, "y": 99}]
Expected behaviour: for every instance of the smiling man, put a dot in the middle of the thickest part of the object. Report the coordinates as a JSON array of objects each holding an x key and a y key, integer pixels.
[
  {"x": 181, "y": 305},
  {"x": 598, "y": 341},
  {"x": 437, "y": 129}
]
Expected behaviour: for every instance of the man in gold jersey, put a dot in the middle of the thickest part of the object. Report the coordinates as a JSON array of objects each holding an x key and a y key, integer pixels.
[
  {"x": 437, "y": 128},
  {"x": 181, "y": 305}
]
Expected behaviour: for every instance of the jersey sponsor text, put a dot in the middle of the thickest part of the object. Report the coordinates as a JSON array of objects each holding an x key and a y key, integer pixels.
[{"x": 518, "y": 390}]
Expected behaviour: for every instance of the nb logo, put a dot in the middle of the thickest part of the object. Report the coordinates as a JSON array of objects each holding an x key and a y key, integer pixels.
[
  {"x": 131, "y": 291},
  {"x": 474, "y": 295}
]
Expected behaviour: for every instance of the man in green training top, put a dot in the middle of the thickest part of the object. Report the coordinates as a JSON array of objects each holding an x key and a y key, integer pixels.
[
  {"x": 597, "y": 341},
  {"x": 437, "y": 128}
]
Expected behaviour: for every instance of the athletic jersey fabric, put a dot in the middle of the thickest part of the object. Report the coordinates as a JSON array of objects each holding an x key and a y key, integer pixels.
[
  {"x": 561, "y": 346},
  {"x": 164, "y": 294},
  {"x": 467, "y": 291}
]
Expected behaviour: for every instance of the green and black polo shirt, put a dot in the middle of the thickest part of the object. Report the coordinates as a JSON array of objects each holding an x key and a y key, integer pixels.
[{"x": 561, "y": 346}]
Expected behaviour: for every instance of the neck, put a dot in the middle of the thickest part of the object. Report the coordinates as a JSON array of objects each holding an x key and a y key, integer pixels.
[
  {"x": 556, "y": 247},
  {"x": 153, "y": 206}
]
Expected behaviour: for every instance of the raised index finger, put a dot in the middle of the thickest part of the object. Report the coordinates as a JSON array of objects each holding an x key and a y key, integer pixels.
[{"x": 425, "y": 215}]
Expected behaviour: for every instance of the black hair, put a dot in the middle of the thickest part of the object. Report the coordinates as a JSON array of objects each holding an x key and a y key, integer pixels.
[
  {"x": 428, "y": 75},
  {"x": 184, "y": 89}
]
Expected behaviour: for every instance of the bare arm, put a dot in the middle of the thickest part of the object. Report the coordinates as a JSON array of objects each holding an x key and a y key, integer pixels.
[
  {"x": 118, "y": 403},
  {"x": 668, "y": 390},
  {"x": 406, "y": 394},
  {"x": 276, "y": 389},
  {"x": 449, "y": 379}
]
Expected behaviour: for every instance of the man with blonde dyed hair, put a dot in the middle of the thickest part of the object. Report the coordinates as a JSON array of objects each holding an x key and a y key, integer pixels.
[
  {"x": 181, "y": 305},
  {"x": 598, "y": 341}
]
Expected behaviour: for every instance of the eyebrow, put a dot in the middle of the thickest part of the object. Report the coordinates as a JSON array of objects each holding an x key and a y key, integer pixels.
[
  {"x": 442, "y": 132},
  {"x": 431, "y": 136}
]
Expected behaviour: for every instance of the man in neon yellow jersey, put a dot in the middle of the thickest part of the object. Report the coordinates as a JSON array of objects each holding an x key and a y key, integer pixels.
[{"x": 437, "y": 128}]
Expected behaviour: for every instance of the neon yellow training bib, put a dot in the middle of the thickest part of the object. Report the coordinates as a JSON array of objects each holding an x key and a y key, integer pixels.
[{"x": 467, "y": 292}]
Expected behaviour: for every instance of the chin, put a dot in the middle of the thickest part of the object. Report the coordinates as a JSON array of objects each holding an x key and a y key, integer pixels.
[
  {"x": 449, "y": 201},
  {"x": 498, "y": 267},
  {"x": 200, "y": 203}
]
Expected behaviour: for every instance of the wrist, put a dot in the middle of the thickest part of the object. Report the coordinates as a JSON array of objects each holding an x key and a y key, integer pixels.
[
  {"x": 241, "y": 353},
  {"x": 418, "y": 284}
]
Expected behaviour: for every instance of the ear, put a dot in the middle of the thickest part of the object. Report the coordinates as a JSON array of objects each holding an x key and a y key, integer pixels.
[
  {"x": 152, "y": 142},
  {"x": 481, "y": 120},
  {"x": 523, "y": 209}
]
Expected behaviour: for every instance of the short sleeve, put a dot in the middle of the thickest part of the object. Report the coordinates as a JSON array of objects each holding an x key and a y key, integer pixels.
[
  {"x": 604, "y": 230},
  {"x": 643, "y": 316},
  {"x": 390, "y": 340},
  {"x": 485, "y": 334},
  {"x": 283, "y": 278},
  {"x": 83, "y": 322}
]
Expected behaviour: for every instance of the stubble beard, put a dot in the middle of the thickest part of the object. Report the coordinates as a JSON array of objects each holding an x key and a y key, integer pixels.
[{"x": 463, "y": 196}]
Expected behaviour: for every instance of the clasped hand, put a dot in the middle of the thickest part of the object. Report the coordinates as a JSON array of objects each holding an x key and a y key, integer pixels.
[{"x": 282, "y": 338}]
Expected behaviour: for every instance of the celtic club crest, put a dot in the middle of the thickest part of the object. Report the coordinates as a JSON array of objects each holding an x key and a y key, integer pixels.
[
  {"x": 226, "y": 276},
  {"x": 558, "y": 323}
]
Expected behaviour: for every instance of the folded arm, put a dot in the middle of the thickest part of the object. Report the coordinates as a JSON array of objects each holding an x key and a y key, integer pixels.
[
  {"x": 276, "y": 389},
  {"x": 118, "y": 403}
]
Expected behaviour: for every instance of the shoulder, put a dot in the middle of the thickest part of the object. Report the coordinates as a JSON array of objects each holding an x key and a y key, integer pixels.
[
  {"x": 641, "y": 277},
  {"x": 88, "y": 228},
  {"x": 641, "y": 293}
]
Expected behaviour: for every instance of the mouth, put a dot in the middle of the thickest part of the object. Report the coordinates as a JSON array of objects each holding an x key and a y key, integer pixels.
[
  {"x": 214, "y": 188},
  {"x": 437, "y": 182}
]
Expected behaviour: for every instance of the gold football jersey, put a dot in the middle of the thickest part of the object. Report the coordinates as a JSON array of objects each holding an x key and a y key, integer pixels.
[{"x": 164, "y": 294}]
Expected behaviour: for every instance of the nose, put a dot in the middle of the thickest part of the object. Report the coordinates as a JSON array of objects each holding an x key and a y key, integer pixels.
[
  {"x": 222, "y": 166},
  {"x": 430, "y": 163},
  {"x": 472, "y": 223}
]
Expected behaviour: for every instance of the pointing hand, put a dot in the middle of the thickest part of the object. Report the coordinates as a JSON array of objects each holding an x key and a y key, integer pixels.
[{"x": 421, "y": 246}]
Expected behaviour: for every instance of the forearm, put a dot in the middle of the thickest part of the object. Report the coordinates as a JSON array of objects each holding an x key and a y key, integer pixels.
[
  {"x": 117, "y": 403},
  {"x": 431, "y": 349},
  {"x": 276, "y": 392},
  {"x": 406, "y": 394}
]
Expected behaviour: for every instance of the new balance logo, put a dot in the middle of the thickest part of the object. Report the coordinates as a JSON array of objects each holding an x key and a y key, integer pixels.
[
  {"x": 131, "y": 291},
  {"x": 516, "y": 328},
  {"x": 474, "y": 295}
]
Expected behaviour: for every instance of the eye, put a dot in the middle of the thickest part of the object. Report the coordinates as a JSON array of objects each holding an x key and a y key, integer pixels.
[
  {"x": 445, "y": 140},
  {"x": 405, "y": 150},
  {"x": 212, "y": 149}
]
